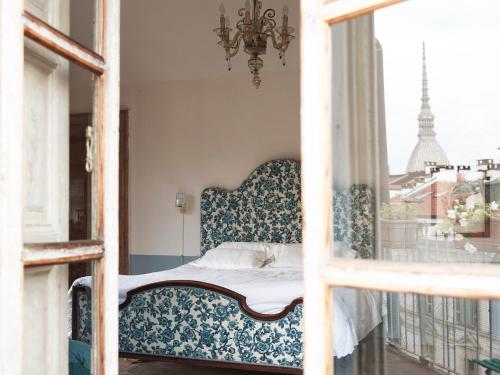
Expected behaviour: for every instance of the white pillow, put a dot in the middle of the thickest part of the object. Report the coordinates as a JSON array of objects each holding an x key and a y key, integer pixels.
[
  {"x": 230, "y": 258},
  {"x": 269, "y": 248},
  {"x": 256, "y": 246},
  {"x": 290, "y": 255},
  {"x": 342, "y": 250},
  {"x": 286, "y": 255}
]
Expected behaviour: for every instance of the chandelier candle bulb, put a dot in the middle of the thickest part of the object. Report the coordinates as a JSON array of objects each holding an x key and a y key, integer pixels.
[
  {"x": 285, "y": 18},
  {"x": 247, "y": 12},
  {"x": 222, "y": 18}
]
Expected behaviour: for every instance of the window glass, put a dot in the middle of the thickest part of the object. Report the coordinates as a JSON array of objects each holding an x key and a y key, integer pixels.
[
  {"x": 417, "y": 178},
  {"x": 415, "y": 133}
]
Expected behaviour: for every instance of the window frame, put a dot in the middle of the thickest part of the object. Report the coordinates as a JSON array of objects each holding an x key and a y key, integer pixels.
[{"x": 321, "y": 273}]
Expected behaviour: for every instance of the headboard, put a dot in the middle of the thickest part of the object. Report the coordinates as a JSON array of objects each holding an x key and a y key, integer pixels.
[{"x": 267, "y": 208}]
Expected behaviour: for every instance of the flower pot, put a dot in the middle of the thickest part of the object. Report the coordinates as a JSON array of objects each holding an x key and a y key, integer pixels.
[
  {"x": 400, "y": 234},
  {"x": 471, "y": 229}
]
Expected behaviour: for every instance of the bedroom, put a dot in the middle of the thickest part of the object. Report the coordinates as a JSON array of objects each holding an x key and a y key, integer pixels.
[{"x": 192, "y": 125}]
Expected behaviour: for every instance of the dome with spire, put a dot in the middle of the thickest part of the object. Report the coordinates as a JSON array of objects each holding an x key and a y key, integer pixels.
[{"x": 427, "y": 149}]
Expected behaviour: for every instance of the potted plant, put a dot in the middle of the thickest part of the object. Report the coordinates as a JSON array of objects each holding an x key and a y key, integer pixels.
[
  {"x": 399, "y": 225},
  {"x": 471, "y": 220}
]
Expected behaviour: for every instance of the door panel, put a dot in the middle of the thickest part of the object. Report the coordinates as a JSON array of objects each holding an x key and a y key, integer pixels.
[
  {"x": 46, "y": 158},
  {"x": 45, "y": 343},
  {"x": 46, "y": 177}
]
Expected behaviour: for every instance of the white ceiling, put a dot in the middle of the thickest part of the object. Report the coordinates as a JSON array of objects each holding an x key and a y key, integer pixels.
[{"x": 162, "y": 40}]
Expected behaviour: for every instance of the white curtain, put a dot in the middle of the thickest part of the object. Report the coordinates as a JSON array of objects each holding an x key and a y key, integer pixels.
[
  {"x": 359, "y": 138},
  {"x": 359, "y": 131}
]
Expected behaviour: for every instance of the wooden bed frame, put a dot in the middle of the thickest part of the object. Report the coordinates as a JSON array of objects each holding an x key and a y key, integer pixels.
[
  {"x": 84, "y": 292},
  {"x": 203, "y": 324}
]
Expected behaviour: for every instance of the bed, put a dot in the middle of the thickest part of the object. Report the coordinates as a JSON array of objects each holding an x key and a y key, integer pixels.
[{"x": 233, "y": 318}]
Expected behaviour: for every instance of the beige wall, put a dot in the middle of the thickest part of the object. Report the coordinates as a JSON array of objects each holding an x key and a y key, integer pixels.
[{"x": 191, "y": 134}]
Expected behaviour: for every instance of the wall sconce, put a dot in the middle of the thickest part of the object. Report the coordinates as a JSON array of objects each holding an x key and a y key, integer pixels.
[{"x": 180, "y": 201}]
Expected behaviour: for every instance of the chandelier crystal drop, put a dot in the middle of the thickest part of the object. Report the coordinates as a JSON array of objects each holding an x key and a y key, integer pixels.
[{"x": 253, "y": 30}]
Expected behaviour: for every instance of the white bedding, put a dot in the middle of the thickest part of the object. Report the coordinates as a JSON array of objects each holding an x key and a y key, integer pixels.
[{"x": 270, "y": 290}]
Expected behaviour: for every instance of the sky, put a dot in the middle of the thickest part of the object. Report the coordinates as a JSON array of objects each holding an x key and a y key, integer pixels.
[{"x": 462, "y": 40}]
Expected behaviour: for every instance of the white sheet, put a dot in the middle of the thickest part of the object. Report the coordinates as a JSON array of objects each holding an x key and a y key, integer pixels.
[{"x": 270, "y": 290}]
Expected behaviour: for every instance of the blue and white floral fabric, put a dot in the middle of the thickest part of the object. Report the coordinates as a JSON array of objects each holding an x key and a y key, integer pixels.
[
  {"x": 265, "y": 208},
  {"x": 196, "y": 323},
  {"x": 83, "y": 320},
  {"x": 354, "y": 219}
]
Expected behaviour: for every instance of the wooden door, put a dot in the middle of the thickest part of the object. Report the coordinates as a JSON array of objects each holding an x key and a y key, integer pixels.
[
  {"x": 45, "y": 216},
  {"x": 34, "y": 246},
  {"x": 80, "y": 212},
  {"x": 123, "y": 261}
]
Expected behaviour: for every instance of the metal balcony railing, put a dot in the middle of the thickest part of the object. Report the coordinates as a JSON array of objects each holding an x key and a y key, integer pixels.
[{"x": 445, "y": 333}]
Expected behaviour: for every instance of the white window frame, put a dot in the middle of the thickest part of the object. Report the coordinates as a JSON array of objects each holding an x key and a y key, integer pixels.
[
  {"x": 321, "y": 273},
  {"x": 15, "y": 24}
]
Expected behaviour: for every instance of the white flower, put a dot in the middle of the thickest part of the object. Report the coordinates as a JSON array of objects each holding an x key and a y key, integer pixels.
[
  {"x": 470, "y": 248},
  {"x": 463, "y": 222},
  {"x": 474, "y": 199},
  {"x": 452, "y": 214},
  {"x": 494, "y": 206},
  {"x": 445, "y": 227},
  {"x": 463, "y": 215},
  {"x": 479, "y": 215}
]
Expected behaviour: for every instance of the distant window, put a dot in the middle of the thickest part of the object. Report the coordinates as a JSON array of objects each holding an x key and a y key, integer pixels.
[
  {"x": 429, "y": 305},
  {"x": 428, "y": 350},
  {"x": 466, "y": 313}
]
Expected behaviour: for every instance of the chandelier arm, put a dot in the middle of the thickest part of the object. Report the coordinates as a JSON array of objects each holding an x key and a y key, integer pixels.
[
  {"x": 270, "y": 32},
  {"x": 234, "y": 45},
  {"x": 268, "y": 18},
  {"x": 269, "y": 22},
  {"x": 284, "y": 46},
  {"x": 240, "y": 24},
  {"x": 272, "y": 13},
  {"x": 236, "y": 40}
]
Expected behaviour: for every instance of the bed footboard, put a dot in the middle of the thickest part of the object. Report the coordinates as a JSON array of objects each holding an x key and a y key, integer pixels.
[
  {"x": 81, "y": 314},
  {"x": 198, "y": 321}
]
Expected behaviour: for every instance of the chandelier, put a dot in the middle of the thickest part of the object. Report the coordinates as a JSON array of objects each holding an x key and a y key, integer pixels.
[{"x": 253, "y": 30}]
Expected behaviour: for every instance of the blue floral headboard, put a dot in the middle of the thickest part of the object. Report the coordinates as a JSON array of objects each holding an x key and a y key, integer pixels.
[{"x": 267, "y": 208}]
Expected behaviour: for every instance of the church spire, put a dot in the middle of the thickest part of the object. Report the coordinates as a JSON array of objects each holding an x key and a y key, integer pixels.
[
  {"x": 427, "y": 149},
  {"x": 425, "y": 118}
]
